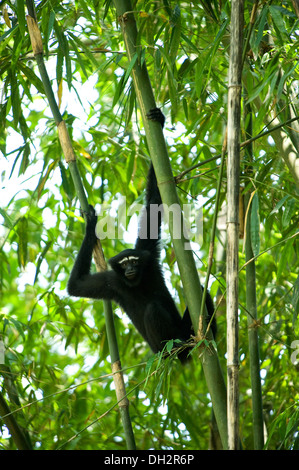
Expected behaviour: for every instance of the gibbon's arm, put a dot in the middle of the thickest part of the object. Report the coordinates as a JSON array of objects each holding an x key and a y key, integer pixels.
[
  {"x": 81, "y": 282},
  {"x": 150, "y": 225}
]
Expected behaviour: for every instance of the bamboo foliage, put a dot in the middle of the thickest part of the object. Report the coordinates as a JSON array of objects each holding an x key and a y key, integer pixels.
[
  {"x": 10, "y": 421},
  {"x": 186, "y": 48}
]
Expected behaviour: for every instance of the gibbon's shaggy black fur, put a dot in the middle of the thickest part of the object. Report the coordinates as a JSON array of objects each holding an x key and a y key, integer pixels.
[{"x": 136, "y": 281}]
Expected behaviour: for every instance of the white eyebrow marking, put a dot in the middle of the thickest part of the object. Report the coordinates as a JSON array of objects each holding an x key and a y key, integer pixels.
[{"x": 128, "y": 258}]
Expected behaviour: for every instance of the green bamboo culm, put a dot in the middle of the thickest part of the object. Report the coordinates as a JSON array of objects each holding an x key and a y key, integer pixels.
[
  {"x": 68, "y": 151},
  {"x": 167, "y": 187},
  {"x": 251, "y": 306},
  {"x": 233, "y": 192}
]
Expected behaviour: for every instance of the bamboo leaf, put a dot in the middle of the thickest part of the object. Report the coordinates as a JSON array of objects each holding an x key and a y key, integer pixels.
[
  {"x": 130, "y": 67},
  {"x": 130, "y": 166},
  {"x": 22, "y": 231},
  {"x": 276, "y": 14},
  {"x": 172, "y": 84},
  {"x": 190, "y": 43},
  {"x": 82, "y": 66},
  {"x": 19, "y": 327},
  {"x": 86, "y": 10},
  {"x": 256, "y": 92},
  {"x": 50, "y": 25},
  {"x": 32, "y": 77},
  {"x": 255, "y": 225},
  {"x": 6, "y": 16},
  {"x": 68, "y": 64},
  {"x": 284, "y": 78},
  {"x": 25, "y": 159},
  {"x": 63, "y": 51},
  {"x": 149, "y": 364},
  {"x": 279, "y": 205},
  {"x": 295, "y": 298},
  {"x": 66, "y": 184},
  {"x": 69, "y": 337},
  {"x": 86, "y": 50},
  {"x": 283, "y": 259},
  {"x": 21, "y": 16},
  {"x": 59, "y": 65},
  {"x": 59, "y": 93},
  {"x": 6, "y": 38},
  {"x": 44, "y": 179},
  {"x": 15, "y": 98},
  {"x": 288, "y": 213},
  {"x": 176, "y": 16},
  {"x": 122, "y": 83},
  {"x": 260, "y": 32},
  {"x": 158, "y": 59},
  {"x": 176, "y": 33},
  {"x": 167, "y": 60},
  {"x": 7, "y": 219},
  {"x": 169, "y": 345},
  {"x": 202, "y": 67},
  {"x": 41, "y": 258}
]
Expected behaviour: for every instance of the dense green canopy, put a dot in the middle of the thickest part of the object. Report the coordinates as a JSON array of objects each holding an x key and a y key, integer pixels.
[{"x": 54, "y": 348}]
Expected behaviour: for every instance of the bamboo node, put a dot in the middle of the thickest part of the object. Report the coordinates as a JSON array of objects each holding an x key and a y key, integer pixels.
[
  {"x": 124, "y": 17},
  {"x": 119, "y": 385},
  {"x": 35, "y": 36},
  {"x": 235, "y": 85},
  {"x": 65, "y": 142},
  {"x": 232, "y": 366}
]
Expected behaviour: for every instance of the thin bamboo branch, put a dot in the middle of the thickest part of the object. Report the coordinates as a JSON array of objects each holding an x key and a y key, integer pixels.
[
  {"x": 214, "y": 225},
  {"x": 233, "y": 184},
  {"x": 69, "y": 153}
]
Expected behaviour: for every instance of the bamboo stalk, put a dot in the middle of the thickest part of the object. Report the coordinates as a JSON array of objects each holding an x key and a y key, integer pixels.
[
  {"x": 166, "y": 183},
  {"x": 253, "y": 340},
  {"x": 69, "y": 153},
  {"x": 16, "y": 432},
  {"x": 233, "y": 184},
  {"x": 251, "y": 307}
]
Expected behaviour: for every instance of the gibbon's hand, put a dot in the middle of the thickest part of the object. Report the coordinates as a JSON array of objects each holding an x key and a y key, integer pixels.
[{"x": 91, "y": 219}]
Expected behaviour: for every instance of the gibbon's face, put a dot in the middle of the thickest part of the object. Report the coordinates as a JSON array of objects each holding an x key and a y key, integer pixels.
[{"x": 130, "y": 267}]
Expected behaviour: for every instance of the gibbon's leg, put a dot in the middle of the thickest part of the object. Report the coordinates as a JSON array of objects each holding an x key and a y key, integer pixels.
[{"x": 160, "y": 326}]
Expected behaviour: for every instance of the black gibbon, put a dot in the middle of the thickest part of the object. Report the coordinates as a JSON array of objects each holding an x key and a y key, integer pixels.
[{"x": 136, "y": 280}]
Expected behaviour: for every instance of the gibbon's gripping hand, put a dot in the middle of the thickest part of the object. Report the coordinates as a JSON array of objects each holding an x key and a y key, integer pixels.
[
  {"x": 156, "y": 114},
  {"x": 91, "y": 220}
]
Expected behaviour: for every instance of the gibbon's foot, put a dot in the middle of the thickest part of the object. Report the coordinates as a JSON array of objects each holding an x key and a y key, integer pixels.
[{"x": 156, "y": 114}]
